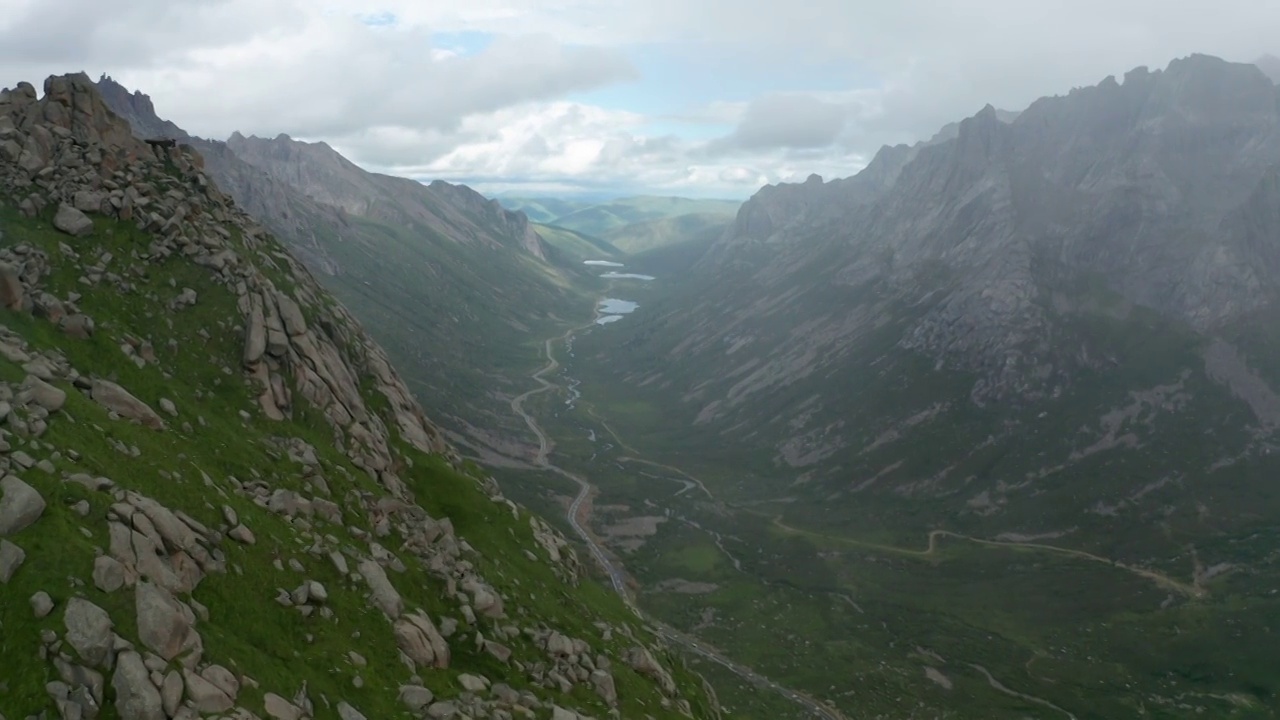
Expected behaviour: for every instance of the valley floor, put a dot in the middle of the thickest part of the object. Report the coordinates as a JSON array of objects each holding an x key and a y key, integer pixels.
[{"x": 957, "y": 627}]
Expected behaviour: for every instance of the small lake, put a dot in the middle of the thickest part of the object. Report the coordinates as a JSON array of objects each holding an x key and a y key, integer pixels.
[
  {"x": 615, "y": 275},
  {"x": 626, "y": 276},
  {"x": 612, "y": 310}
]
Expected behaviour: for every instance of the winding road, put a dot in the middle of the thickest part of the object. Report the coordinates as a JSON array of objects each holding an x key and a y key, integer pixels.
[
  {"x": 617, "y": 577},
  {"x": 1192, "y": 590}
]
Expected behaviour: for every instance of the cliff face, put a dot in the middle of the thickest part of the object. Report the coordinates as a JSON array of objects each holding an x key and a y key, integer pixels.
[{"x": 218, "y": 496}]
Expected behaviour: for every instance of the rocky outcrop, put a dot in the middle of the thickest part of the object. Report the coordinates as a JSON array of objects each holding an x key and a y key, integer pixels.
[{"x": 340, "y": 503}]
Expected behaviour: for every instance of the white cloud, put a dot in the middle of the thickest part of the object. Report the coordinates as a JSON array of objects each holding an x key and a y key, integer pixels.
[{"x": 391, "y": 98}]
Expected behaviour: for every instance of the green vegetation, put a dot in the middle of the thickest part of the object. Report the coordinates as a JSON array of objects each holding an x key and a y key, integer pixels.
[
  {"x": 196, "y": 466},
  {"x": 576, "y": 246},
  {"x": 821, "y": 577},
  {"x": 639, "y": 237},
  {"x": 599, "y": 219}
]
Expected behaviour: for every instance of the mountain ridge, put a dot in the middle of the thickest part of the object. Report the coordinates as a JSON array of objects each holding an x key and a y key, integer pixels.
[
  {"x": 1048, "y": 337},
  {"x": 451, "y": 283}
]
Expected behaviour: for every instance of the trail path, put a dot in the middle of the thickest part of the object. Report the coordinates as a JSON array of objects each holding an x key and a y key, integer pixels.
[{"x": 1191, "y": 590}]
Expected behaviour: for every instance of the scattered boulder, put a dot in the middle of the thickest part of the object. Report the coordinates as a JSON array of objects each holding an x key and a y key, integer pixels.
[
  {"x": 120, "y": 401},
  {"x": 88, "y": 630},
  {"x": 108, "y": 574},
  {"x": 420, "y": 641},
  {"x": 164, "y": 624},
  {"x": 72, "y": 222},
  {"x": 20, "y": 505},
  {"x": 41, "y": 604},
  {"x": 171, "y": 692},
  {"x": 473, "y": 683},
  {"x": 43, "y": 394},
  {"x": 346, "y": 712},
  {"x": 603, "y": 683},
  {"x": 205, "y": 696},
  {"x": 11, "y": 291},
  {"x": 384, "y": 593},
  {"x": 136, "y": 697},
  {"x": 280, "y": 709},
  {"x": 11, "y": 558},
  {"x": 415, "y": 697},
  {"x": 242, "y": 534}
]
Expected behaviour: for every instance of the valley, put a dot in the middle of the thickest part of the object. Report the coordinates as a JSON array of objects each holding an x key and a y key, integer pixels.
[
  {"x": 841, "y": 361},
  {"x": 929, "y": 611}
]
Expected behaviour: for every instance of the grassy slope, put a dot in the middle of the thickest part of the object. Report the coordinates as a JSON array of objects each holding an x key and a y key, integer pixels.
[
  {"x": 599, "y": 219},
  {"x": 542, "y": 210},
  {"x": 648, "y": 235},
  {"x": 188, "y": 468},
  {"x": 461, "y": 321},
  {"x": 577, "y": 246}
]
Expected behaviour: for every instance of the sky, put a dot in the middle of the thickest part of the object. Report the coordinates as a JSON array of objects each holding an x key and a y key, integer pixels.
[{"x": 710, "y": 98}]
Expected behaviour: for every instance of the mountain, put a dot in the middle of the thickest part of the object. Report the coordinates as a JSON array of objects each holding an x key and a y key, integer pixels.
[
  {"x": 647, "y": 235},
  {"x": 599, "y": 219},
  {"x": 542, "y": 210},
  {"x": 1004, "y": 405},
  {"x": 575, "y": 245},
  {"x": 218, "y": 496},
  {"x": 1270, "y": 65},
  {"x": 455, "y": 287}
]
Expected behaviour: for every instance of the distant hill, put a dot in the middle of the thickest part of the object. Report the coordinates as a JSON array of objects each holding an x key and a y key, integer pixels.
[
  {"x": 653, "y": 234},
  {"x": 600, "y": 219},
  {"x": 576, "y": 246}
]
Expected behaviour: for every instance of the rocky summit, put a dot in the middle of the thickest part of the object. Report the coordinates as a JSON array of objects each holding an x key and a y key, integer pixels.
[{"x": 220, "y": 500}]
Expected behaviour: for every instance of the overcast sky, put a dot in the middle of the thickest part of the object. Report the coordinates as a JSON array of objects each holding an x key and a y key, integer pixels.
[{"x": 693, "y": 97}]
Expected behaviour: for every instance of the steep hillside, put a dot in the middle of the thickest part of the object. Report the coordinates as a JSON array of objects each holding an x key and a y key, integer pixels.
[
  {"x": 1004, "y": 405},
  {"x": 457, "y": 289},
  {"x": 576, "y": 246},
  {"x": 542, "y": 210},
  {"x": 220, "y": 499}
]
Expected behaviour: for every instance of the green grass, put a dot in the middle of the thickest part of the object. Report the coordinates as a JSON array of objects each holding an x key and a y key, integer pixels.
[
  {"x": 648, "y": 235},
  {"x": 576, "y": 245},
  {"x": 845, "y": 620},
  {"x": 189, "y": 468},
  {"x": 599, "y": 219}
]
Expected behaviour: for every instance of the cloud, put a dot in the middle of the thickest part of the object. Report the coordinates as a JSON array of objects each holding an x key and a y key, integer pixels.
[
  {"x": 384, "y": 82},
  {"x": 267, "y": 67},
  {"x": 790, "y": 120}
]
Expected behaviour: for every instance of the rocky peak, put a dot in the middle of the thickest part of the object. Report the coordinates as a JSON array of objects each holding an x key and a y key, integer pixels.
[{"x": 137, "y": 108}]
